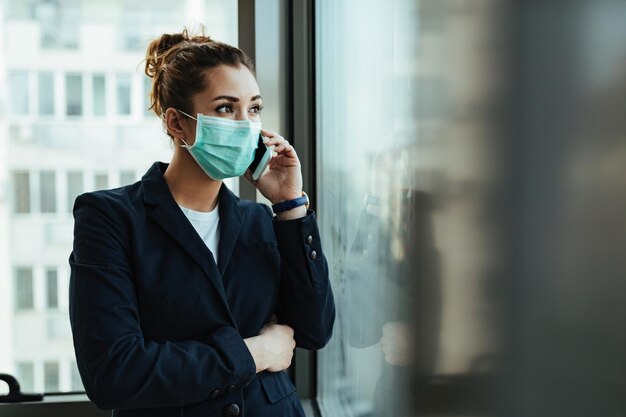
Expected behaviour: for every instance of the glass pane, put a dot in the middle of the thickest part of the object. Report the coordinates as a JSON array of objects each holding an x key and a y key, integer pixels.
[
  {"x": 26, "y": 376},
  {"x": 108, "y": 41},
  {"x": 18, "y": 84},
  {"x": 48, "y": 195},
  {"x": 471, "y": 194},
  {"x": 99, "y": 95},
  {"x": 123, "y": 93},
  {"x": 46, "y": 93},
  {"x": 24, "y": 293},
  {"x": 75, "y": 187},
  {"x": 147, "y": 86},
  {"x": 74, "y": 94},
  {"x": 77, "y": 383},
  {"x": 21, "y": 187},
  {"x": 52, "y": 295},
  {"x": 101, "y": 181},
  {"x": 51, "y": 376},
  {"x": 375, "y": 223},
  {"x": 127, "y": 177}
]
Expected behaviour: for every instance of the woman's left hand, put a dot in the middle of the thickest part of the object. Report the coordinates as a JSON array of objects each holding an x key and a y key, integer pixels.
[{"x": 283, "y": 181}]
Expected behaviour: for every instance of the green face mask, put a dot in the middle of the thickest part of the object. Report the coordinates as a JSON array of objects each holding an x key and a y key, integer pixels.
[{"x": 223, "y": 148}]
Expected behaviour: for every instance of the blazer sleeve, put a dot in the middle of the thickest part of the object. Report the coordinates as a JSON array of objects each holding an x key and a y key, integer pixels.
[
  {"x": 118, "y": 366},
  {"x": 306, "y": 300}
]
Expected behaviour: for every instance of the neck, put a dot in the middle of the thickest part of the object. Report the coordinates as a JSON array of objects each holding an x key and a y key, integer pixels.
[{"x": 189, "y": 185}]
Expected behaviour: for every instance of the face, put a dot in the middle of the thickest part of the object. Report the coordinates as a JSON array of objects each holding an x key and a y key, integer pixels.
[{"x": 231, "y": 93}]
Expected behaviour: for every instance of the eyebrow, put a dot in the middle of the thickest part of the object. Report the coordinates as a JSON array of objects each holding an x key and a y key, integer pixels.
[{"x": 235, "y": 99}]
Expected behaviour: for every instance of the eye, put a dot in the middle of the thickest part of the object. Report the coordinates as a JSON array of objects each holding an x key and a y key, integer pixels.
[
  {"x": 224, "y": 109},
  {"x": 256, "y": 109}
]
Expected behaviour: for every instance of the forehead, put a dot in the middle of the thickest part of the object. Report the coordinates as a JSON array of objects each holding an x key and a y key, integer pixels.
[{"x": 230, "y": 81}]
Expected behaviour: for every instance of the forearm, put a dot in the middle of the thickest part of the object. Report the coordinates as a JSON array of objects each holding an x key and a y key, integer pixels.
[{"x": 306, "y": 300}]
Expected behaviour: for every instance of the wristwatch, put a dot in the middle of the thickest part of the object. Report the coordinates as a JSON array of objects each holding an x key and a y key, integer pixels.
[{"x": 291, "y": 204}]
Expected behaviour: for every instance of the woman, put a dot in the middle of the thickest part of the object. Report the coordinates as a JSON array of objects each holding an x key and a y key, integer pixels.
[{"x": 185, "y": 300}]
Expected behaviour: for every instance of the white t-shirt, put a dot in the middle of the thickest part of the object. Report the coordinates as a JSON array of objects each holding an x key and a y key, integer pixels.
[{"x": 206, "y": 224}]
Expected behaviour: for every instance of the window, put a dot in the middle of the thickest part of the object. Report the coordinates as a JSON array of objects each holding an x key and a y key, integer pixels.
[
  {"x": 18, "y": 84},
  {"x": 77, "y": 384},
  {"x": 47, "y": 187},
  {"x": 127, "y": 177},
  {"x": 123, "y": 94},
  {"x": 70, "y": 69},
  {"x": 46, "y": 93},
  {"x": 21, "y": 187},
  {"x": 74, "y": 187},
  {"x": 99, "y": 95},
  {"x": 59, "y": 22},
  {"x": 51, "y": 376},
  {"x": 26, "y": 376},
  {"x": 101, "y": 181},
  {"x": 74, "y": 94},
  {"x": 52, "y": 291},
  {"x": 365, "y": 207},
  {"x": 147, "y": 86},
  {"x": 24, "y": 291}
]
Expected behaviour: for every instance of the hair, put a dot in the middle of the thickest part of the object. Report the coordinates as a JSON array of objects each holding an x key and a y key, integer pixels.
[{"x": 177, "y": 64}]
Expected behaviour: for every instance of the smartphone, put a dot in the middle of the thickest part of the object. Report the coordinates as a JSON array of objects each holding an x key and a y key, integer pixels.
[{"x": 262, "y": 157}]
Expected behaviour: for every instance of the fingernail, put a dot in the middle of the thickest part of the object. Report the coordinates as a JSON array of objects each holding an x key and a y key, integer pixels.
[{"x": 265, "y": 140}]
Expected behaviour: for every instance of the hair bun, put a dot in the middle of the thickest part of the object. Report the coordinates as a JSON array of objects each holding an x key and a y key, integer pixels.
[{"x": 158, "y": 48}]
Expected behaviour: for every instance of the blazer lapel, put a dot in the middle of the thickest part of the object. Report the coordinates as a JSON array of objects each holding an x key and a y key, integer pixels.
[
  {"x": 231, "y": 220},
  {"x": 163, "y": 210}
]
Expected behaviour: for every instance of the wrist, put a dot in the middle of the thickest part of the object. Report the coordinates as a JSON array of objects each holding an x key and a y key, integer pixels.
[
  {"x": 254, "y": 346},
  {"x": 295, "y": 213},
  {"x": 301, "y": 200}
]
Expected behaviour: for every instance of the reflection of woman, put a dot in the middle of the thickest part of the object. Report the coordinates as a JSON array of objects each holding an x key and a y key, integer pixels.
[
  {"x": 392, "y": 285},
  {"x": 175, "y": 281}
]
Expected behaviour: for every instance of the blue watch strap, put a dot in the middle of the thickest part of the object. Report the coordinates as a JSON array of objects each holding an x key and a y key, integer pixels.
[{"x": 290, "y": 204}]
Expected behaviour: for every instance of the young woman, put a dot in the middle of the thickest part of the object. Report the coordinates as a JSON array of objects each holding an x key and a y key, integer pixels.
[{"x": 185, "y": 300}]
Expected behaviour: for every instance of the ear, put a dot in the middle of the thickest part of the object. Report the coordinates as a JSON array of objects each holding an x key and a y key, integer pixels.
[{"x": 175, "y": 124}]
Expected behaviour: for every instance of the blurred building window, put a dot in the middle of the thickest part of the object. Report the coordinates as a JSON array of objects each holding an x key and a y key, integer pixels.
[
  {"x": 75, "y": 187},
  {"x": 99, "y": 95},
  {"x": 76, "y": 383},
  {"x": 21, "y": 187},
  {"x": 47, "y": 188},
  {"x": 18, "y": 103},
  {"x": 74, "y": 94},
  {"x": 127, "y": 177},
  {"x": 101, "y": 181},
  {"x": 26, "y": 376},
  {"x": 52, "y": 288},
  {"x": 59, "y": 22},
  {"x": 51, "y": 376},
  {"x": 46, "y": 93},
  {"x": 24, "y": 290},
  {"x": 123, "y": 82}
]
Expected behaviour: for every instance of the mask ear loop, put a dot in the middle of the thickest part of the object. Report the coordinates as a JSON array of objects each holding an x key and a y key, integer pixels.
[{"x": 186, "y": 145}]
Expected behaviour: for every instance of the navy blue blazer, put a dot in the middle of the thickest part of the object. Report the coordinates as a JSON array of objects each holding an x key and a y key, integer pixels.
[{"x": 158, "y": 327}]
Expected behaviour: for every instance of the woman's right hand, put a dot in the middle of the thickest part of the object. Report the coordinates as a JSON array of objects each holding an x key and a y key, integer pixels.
[{"x": 272, "y": 349}]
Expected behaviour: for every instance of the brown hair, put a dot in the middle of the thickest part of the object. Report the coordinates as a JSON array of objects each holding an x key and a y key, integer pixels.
[{"x": 177, "y": 62}]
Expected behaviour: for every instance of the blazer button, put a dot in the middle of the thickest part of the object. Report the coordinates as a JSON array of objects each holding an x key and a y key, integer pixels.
[
  {"x": 309, "y": 239},
  {"x": 231, "y": 388},
  {"x": 231, "y": 410},
  {"x": 215, "y": 393},
  {"x": 313, "y": 255}
]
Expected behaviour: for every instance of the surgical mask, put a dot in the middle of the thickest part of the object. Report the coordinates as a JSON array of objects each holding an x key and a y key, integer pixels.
[{"x": 223, "y": 148}]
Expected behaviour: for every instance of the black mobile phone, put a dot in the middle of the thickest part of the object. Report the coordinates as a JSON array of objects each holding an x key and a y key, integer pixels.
[{"x": 262, "y": 157}]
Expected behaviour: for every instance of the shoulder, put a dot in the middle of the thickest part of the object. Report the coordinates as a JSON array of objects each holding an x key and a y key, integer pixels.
[{"x": 116, "y": 202}]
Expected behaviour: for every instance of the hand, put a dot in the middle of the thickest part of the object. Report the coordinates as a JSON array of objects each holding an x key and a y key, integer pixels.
[
  {"x": 272, "y": 349},
  {"x": 396, "y": 343},
  {"x": 283, "y": 181}
]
